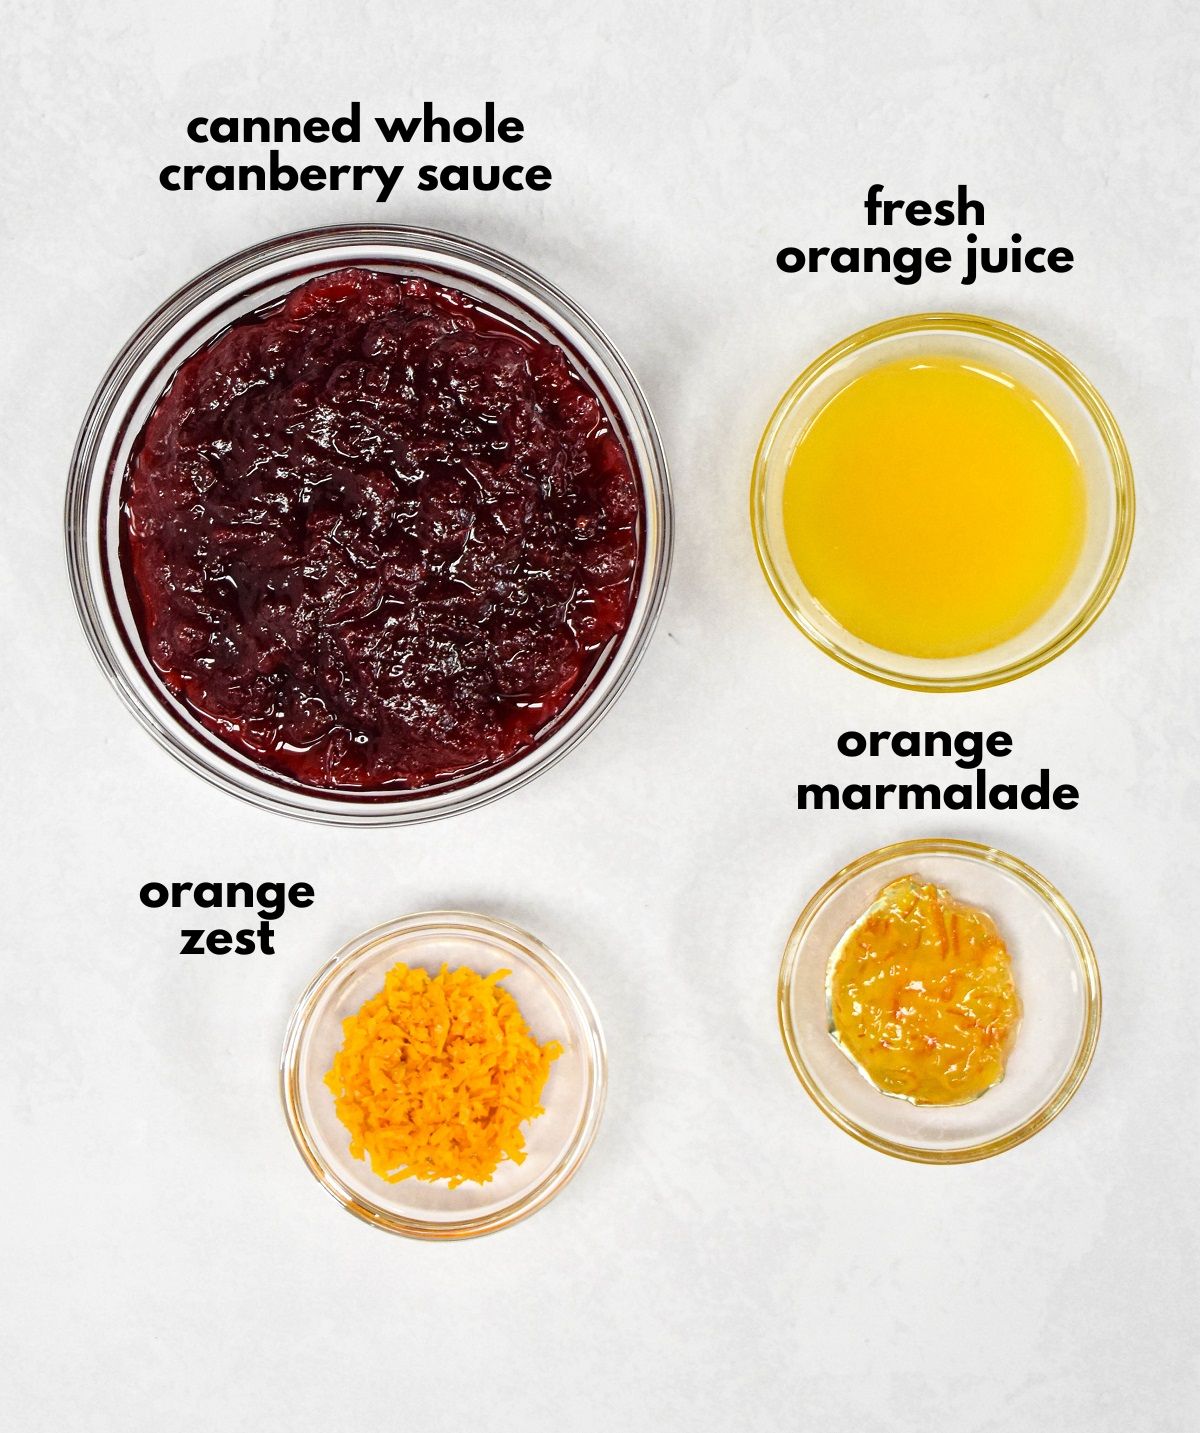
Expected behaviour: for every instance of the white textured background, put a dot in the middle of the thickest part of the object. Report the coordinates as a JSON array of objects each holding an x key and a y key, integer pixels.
[{"x": 725, "y": 1258}]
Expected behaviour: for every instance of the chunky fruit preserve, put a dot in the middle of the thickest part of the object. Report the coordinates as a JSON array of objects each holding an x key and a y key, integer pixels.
[{"x": 378, "y": 536}]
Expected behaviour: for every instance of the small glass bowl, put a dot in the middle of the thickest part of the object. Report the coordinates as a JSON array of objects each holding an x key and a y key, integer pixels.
[
  {"x": 1066, "y": 394},
  {"x": 198, "y": 313},
  {"x": 554, "y": 1006},
  {"x": 1057, "y": 979}
]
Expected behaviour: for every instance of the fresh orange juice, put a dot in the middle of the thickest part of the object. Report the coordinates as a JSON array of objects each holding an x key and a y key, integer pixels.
[{"x": 934, "y": 507}]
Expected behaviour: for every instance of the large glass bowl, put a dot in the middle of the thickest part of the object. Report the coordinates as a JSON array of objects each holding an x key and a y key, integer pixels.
[
  {"x": 1074, "y": 404},
  {"x": 554, "y": 1007},
  {"x": 202, "y": 310}
]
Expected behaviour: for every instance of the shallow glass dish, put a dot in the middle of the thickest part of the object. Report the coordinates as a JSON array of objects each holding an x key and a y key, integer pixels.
[
  {"x": 198, "y": 313},
  {"x": 553, "y": 1004},
  {"x": 1075, "y": 405},
  {"x": 1055, "y": 971}
]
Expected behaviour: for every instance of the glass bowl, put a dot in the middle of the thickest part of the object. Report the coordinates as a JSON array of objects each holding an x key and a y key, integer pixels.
[
  {"x": 1055, "y": 971},
  {"x": 202, "y": 310},
  {"x": 555, "y": 1008},
  {"x": 1067, "y": 395}
]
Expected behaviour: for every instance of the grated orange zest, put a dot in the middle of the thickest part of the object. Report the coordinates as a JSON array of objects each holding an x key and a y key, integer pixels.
[{"x": 437, "y": 1075}]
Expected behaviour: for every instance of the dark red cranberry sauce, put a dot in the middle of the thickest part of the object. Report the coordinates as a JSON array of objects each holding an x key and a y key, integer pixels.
[{"x": 377, "y": 536}]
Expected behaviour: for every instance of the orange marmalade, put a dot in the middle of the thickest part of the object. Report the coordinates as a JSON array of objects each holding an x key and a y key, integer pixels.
[{"x": 921, "y": 996}]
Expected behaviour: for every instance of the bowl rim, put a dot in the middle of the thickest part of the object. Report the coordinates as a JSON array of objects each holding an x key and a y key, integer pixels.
[
  {"x": 553, "y": 971},
  {"x": 224, "y": 768},
  {"x": 1120, "y": 467},
  {"x": 1062, "y": 1094}
]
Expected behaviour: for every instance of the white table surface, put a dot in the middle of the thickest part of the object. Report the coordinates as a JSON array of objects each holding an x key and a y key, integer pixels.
[{"x": 725, "y": 1258}]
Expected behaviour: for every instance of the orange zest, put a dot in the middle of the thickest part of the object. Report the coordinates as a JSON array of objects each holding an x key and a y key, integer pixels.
[{"x": 437, "y": 1075}]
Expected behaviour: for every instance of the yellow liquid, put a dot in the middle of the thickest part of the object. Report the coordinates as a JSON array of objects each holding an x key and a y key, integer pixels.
[{"x": 934, "y": 508}]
